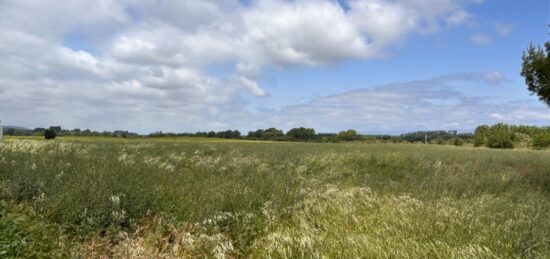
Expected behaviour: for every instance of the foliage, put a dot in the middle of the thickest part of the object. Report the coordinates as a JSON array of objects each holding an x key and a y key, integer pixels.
[
  {"x": 421, "y": 136},
  {"x": 439, "y": 141},
  {"x": 24, "y": 234},
  {"x": 536, "y": 70},
  {"x": 506, "y": 136},
  {"x": 301, "y": 133},
  {"x": 500, "y": 136},
  {"x": 541, "y": 141},
  {"x": 228, "y": 134},
  {"x": 348, "y": 135},
  {"x": 50, "y": 134},
  {"x": 267, "y": 134}
]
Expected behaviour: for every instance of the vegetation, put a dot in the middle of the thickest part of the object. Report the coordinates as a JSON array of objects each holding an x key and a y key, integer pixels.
[
  {"x": 507, "y": 136},
  {"x": 348, "y": 135},
  {"x": 536, "y": 70},
  {"x": 50, "y": 134},
  {"x": 301, "y": 134},
  {"x": 192, "y": 197},
  {"x": 439, "y": 135},
  {"x": 19, "y": 131},
  {"x": 496, "y": 136}
]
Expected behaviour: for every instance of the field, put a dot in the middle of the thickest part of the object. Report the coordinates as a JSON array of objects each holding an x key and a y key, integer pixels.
[{"x": 179, "y": 197}]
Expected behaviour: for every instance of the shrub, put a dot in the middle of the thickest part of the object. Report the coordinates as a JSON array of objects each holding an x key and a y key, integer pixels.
[
  {"x": 496, "y": 136},
  {"x": 439, "y": 141},
  {"x": 301, "y": 133},
  {"x": 50, "y": 134},
  {"x": 541, "y": 141},
  {"x": 458, "y": 142},
  {"x": 348, "y": 135},
  {"x": 480, "y": 135},
  {"x": 500, "y": 141}
]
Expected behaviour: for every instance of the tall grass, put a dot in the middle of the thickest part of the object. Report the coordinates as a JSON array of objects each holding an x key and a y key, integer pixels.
[{"x": 100, "y": 197}]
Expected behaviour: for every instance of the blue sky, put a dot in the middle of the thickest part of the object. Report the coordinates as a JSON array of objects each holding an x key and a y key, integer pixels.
[
  {"x": 421, "y": 57},
  {"x": 379, "y": 66}
]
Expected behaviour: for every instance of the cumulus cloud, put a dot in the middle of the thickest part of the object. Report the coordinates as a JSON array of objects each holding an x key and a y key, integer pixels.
[{"x": 122, "y": 64}]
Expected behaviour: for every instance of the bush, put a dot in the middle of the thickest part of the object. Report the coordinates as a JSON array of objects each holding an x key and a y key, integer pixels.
[
  {"x": 496, "y": 136},
  {"x": 439, "y": 141},
  {"x": 541, "y": 141},
  {"x": 480, "y": 135},
  {"x": 301, "y": 133},
  {"x": 500, "y": 141},
  {"x": 348, "y": 135},
  {"x": 458, "y": 142},
  {"x": 50, "y": 134}
]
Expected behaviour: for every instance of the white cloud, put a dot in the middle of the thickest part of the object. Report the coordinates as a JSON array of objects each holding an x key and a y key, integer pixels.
[
  {"x": 458, "y": 17},
  {"x": 122, "y": 64},
  {"x": 480, "y": 39},
  {"x": 437, "y": 103},
  {"x": 494, "y": 77},
  {"x": 252, "y": 86},
  {"x": 503, "y": 28}
]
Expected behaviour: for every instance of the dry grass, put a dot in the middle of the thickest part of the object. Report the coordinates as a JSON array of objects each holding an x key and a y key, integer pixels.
[{"x": 173, "y": 198}]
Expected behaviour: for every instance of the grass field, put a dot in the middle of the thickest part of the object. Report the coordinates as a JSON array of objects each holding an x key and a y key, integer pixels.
[{"x": 118, "y": 198}]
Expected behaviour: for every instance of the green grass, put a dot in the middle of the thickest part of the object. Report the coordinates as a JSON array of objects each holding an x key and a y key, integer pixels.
[{"x": 189, "y": 197}]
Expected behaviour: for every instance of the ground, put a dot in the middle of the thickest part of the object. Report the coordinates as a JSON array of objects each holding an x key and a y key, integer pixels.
[{"x": 192, "y": 197}]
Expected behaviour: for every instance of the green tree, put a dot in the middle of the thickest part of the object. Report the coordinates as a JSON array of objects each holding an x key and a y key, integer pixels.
[
  {"x": 457, "y": 141},
  {"x": 348, "y": 135},
  {"x": 50, "y": 134},
  {"x": 500, "y": 136},
  {"x": 301, "y": 133},
  {"x": 481, "y": 135},
  {"x": 536, "y": 70},
  {"x": 541, "y": 140}
]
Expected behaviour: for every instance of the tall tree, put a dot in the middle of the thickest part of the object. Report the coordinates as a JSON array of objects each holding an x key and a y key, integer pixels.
[
  {"x": 301, "y": 133},
  {"x": 536, "y": 70}
]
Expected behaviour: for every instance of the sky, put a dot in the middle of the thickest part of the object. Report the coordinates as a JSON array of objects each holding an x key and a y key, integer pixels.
[{"x": 377, "y": 66}]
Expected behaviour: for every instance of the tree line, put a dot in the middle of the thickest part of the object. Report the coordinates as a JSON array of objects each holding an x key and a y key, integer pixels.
[
  {"x": 54, "y": 131},
  {"x": 493, "y": 136}
]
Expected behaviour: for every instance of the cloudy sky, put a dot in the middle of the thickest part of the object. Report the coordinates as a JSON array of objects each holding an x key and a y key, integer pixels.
[{"x": 378, "y": 66}]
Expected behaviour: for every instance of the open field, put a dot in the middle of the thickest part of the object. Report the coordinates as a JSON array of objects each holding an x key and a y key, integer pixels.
[{"x": 179, "y": 197}]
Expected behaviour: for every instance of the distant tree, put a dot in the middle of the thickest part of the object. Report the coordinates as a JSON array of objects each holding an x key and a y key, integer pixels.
[
  {"x": 497, "y": 136},
  {"x": 439, "y": 141},
  {"x": 301, "y": 133},
  {"x": 57, "y": 129},
  {"x": 211, "y": 134},
  {"x": 541, "y": 141},
  {"x": 236, "y": 134},
  {"x": 227, "y": 134},
  {"x": 267, "y": 134},
  {"x": 348, "y": 135},
  {"x": 458, "y": 141},
  {"x": 50, "y": 134},
  {"x": 481, "y": 135},
  {"x": 329, "y": 138},
  {"x": 536, "y": 70}
]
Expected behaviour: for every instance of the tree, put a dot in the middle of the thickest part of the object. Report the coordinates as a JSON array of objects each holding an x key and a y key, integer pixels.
[
  {"x": 50, "y": 134},
  {"x": 497, "y": 136},
  {"x": 348, "y": 135},
  {"x": 301, "y": 133},
  {"x": 536, "y": 70},
  {"x": 267, "y": 134},
  {"x": 57, "y": 129}
]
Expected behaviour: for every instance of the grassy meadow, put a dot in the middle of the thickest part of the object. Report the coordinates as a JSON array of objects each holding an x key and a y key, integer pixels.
[{"x": 192, "y": 197}]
